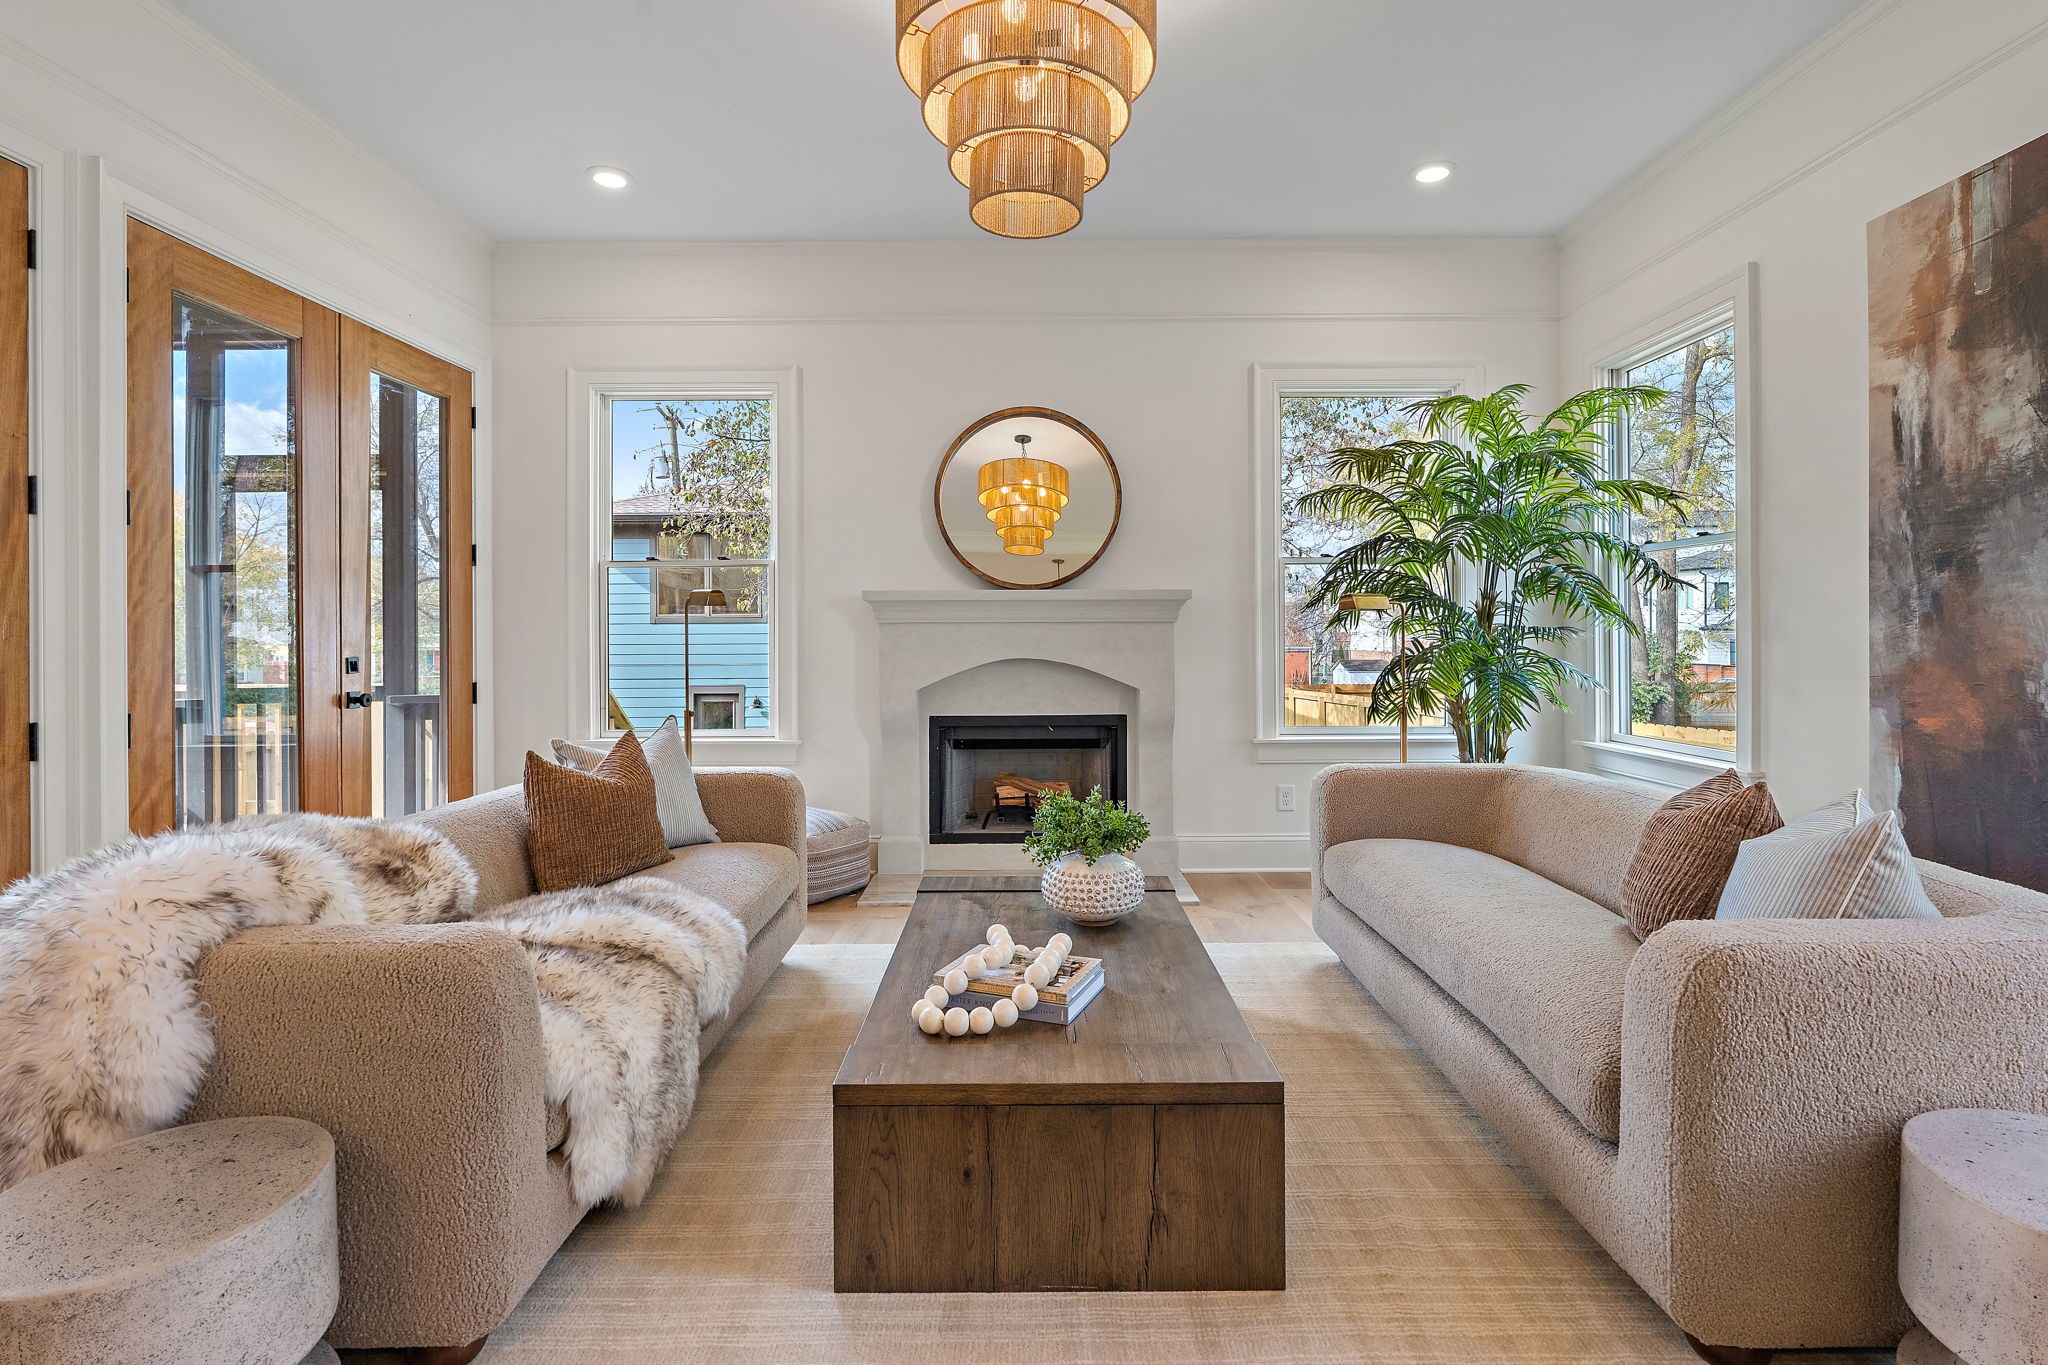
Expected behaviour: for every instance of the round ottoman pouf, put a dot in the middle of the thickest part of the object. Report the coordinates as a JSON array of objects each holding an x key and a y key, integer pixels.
[
  {"x": 1973, "y": 1236},
  {"x": 836, "y": 848},
  {"x": 214, "y": 1241}
]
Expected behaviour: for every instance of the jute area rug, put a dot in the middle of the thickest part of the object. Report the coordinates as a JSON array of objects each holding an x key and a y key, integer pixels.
[{"x": 1413, "y": 1233}]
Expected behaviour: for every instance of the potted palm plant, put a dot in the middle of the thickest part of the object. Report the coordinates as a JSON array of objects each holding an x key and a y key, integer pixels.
[
  {"x": 1081, "y": 845},
  {"x": 1492, "y": 538}
]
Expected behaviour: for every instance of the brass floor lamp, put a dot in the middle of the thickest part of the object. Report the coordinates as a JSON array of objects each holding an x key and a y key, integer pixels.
[{"x": 1378, "y": 604}]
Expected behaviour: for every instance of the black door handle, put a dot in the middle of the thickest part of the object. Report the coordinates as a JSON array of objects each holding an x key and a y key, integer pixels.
[{"x": 349, "y": 699}]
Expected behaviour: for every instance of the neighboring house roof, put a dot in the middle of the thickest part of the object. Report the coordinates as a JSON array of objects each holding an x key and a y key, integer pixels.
[
  {"x": 1719, "y": 555},
  {"x": 655, "y": 508}
]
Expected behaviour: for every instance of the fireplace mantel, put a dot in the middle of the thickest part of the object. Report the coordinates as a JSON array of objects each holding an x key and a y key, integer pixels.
[
  {"x": 1057, "y": 651},
  {"x": 1066, "y": 606}
]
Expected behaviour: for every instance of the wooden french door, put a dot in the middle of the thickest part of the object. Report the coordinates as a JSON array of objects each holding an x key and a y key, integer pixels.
[
  {"x": 15, "y": 816},
  {"x": 253, "y": 516},
  {"x": 407, "y": 722}
]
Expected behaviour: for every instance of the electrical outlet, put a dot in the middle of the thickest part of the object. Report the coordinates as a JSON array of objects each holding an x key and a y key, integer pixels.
[{"x": 1284, "y": 796}]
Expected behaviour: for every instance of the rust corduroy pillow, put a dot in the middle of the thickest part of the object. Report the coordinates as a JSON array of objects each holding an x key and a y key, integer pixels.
[
  {"x": 584, "y": 829},
  {"x": 1683, "y": 859}
]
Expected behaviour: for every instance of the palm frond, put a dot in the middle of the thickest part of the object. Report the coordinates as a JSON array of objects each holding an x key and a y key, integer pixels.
[{"x": 1530, "y": 510}]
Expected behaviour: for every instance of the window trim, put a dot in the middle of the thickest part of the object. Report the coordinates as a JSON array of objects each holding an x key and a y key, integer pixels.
[
  {"x": 588, "y": 557},
  {"x": 1271, "y": 741},
  {"x": 1605, "y": 745}
]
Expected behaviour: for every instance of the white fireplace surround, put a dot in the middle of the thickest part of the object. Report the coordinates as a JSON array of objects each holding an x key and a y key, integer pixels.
[{"x": 1059, "y": 651}]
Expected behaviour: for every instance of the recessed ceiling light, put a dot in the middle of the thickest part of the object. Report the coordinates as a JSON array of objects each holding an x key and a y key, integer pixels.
[
  {"x": 610, "y": 177},
  {"x": 1433, "y": 172}
]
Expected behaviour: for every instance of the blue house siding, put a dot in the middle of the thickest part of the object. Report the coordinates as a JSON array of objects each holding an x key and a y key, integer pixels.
[{"x": 646, "y": 663}]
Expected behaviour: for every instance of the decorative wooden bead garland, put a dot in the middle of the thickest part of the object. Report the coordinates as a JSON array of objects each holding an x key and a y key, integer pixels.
[{"x": 931, "y": 1014}]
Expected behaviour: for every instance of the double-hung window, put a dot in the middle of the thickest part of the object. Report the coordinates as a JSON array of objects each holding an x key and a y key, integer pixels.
[
  {"x": 1675, "y": 682},
  {"x": 1313, "y": 684},
  {"x": 690, "y": 560},
  {"x": 1326, "y": 677}
]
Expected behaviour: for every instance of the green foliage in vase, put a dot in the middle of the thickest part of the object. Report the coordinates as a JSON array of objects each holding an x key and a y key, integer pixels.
[
  {"x": 1495, "y": 539},
  {"x": 1092, "y": 828}
]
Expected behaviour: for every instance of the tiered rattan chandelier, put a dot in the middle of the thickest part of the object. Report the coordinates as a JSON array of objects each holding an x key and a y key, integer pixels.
[
  {"x": 1024, "y": 496},
  {"x": 1028, "y": 96}
]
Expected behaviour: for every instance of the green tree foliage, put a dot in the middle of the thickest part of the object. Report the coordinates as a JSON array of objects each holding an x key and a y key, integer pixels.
[
  {"x": 1529, "y": 513},
  {"x": 713, "y": 460},
  {"x": 1686, "y": 443}
]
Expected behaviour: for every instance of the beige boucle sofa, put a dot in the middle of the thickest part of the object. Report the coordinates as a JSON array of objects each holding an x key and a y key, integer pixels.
[
  {"x": 419, "y": 1049},
  {"x": 1720, "y": 1106}
]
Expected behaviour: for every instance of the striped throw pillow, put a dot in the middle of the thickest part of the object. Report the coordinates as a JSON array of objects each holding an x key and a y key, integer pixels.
[
  {"x": 1687, "y": 848},
  {"x": 1844, "y": 861}
]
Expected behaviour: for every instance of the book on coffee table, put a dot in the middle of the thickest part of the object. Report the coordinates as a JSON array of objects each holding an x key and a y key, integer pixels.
[{"x": 1060, "y": 1000}]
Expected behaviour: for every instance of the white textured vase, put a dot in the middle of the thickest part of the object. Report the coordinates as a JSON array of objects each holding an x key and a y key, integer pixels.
[{"x": 1101, "y": 893}]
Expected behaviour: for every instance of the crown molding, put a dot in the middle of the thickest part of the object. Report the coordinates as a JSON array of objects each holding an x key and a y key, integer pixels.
[
  {"x": 1699, "y": 139},
  {"x": 89, "y": 91},
  {"x": 1891, "y": 118},
  {"x": 188, "y": 31},
  {"x": 1348, "y": 246},
  {"x": 996, "y": 318}
]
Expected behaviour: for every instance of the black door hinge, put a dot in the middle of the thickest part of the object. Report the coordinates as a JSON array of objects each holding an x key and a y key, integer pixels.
[
  {"x": 32, "y": 504},
  {"x": 472, "y": 694},
  {"x": 472, "y": 417},
  {"x": 131, "y": 729},
  {"x": 472, "y": 554},
  {"x": 31, "y": 248},
  {"x": 128, "y": 284},
  {"x": 130, "y": 514},
  {"x": 35, "y": 746}
]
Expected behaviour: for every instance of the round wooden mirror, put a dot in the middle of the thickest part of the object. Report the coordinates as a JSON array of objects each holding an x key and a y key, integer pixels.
[{"x": 1028, "y": 498}]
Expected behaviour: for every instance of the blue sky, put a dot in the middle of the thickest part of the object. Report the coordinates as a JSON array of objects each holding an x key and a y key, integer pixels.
[{"x": 635, "y": 428}]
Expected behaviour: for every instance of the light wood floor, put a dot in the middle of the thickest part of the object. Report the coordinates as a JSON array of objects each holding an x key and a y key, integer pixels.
[{"x": 1237, "y": 907}]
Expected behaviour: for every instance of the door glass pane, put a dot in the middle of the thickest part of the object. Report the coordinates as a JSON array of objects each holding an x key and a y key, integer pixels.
[
  {"x": 407, "y": 772},
  {"x": 234, "y": 536}
]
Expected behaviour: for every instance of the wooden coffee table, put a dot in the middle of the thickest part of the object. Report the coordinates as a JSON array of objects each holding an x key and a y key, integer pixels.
[{"x": 1139, "y": 1148}]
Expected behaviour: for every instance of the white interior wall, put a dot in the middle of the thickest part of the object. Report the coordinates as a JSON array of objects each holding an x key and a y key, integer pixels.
[
  {"x": 900, "y": 347},
  {"x": 123, "y": 106},
  {"x": 120, "y": 107},
  {"x": 1907, "y": 95}
]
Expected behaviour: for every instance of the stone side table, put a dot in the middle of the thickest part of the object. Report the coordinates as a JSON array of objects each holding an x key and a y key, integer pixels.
[
  {"x": 210, "y": 1244},
  {"x": 1973, "y": 1238}
]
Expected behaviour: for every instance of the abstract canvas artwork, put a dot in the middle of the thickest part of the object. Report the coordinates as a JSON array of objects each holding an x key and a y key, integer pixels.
[{"x": 1959, "y": 518}]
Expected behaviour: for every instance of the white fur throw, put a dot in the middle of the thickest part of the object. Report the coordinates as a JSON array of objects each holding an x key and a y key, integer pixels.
[
  {"x": 629, "y": 972},
  {"x": 103, "y": 1037}
]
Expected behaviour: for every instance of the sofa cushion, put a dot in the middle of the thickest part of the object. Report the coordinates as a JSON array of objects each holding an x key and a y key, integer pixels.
[
  {"x": 1844, "y": 861},
  {"x": 1682, "y": 861},
  {"x": 751, "y": 880},
  {"x": 1542, "y": 967},
  {"x": 586, "y": 829},
  {"x": 676, "y": 800}
]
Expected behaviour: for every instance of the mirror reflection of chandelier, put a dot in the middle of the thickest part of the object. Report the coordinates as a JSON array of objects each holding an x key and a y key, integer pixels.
[
  {"x": 1027, "y": 96},
  {"x": 1024, "y": 497}
]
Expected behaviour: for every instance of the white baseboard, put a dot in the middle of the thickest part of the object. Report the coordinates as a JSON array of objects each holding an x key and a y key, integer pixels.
[{"x": 1244, "y": 852}]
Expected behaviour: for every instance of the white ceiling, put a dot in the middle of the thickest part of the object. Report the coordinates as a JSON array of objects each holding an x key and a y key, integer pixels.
[{"x": 785, "y": 119}]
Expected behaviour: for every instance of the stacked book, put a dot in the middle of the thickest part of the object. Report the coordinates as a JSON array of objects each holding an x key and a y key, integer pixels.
[{"x": 1060, "y": 1000}]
